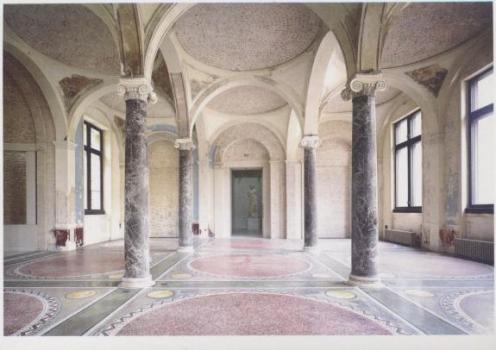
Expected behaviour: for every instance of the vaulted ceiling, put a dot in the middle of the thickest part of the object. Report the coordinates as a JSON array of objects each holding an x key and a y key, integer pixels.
[{"x": 241, "y": 37}]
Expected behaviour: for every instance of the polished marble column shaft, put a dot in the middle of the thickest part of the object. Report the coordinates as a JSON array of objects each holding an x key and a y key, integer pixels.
[
  {"x": 364, "y": 215},
  {"x": 136, "y": 232},
  {"x": 185, "y": 147},
  {"x": 310, "y": 144}
]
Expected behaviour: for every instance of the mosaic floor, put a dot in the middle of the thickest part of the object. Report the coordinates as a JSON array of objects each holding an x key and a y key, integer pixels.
[{"x": 245, "y": 286}]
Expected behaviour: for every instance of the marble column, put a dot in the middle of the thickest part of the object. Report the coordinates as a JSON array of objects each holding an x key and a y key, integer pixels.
[
  {"x": 310, "y": 144},
  {"x": 185, "y": 147},
  {"x": 137, "y": 93},
  {"x": 364, "y": 215}
]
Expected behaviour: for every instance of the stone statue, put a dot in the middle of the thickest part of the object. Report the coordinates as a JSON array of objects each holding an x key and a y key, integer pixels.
[{"x": 252, "y": 202}]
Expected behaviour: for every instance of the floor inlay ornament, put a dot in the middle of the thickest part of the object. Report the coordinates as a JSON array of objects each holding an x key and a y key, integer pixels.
[
  {"x": 160, "y": 294},
  {"x": 341, "y": 294},
  {"x": 80, "y": 294}
]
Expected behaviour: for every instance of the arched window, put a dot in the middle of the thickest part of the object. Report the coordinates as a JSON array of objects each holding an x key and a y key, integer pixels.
[{"x": 481, "y": 132}]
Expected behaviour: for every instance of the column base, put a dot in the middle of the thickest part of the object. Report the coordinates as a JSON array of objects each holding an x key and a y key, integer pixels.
[
  {"x": 360, "y": 281},
  {"x": 186, "y": 249},
  {"x": 131, "y": 283}
]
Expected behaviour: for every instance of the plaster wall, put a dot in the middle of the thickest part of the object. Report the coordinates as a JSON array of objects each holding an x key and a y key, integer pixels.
[{"x": 163, "y": 163}]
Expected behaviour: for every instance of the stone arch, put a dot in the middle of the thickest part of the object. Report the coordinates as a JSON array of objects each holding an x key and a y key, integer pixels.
[
  {"x": 52, "y": 98},
  {"x": 162, "y": 22},
  {"x": 253, "y": 131},
  {"x": 85, "y": 101},
  {"x": 37, "y": 156},
  {"x": 131, "y": 41},
  {"x": 268, "y": 156},
  {"x": 325, "y": 52},
  {"x": 220, "y": 86}
]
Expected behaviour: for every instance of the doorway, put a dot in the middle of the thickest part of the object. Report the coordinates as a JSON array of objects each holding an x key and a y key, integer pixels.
[{"x": 246, "y": 202}]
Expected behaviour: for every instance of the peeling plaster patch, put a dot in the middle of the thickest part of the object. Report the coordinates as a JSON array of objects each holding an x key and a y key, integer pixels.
[
  {"x": 71, "y": 34},
  {"x": 244, "y": 100},
  {"x": 431, "y": 77},
  {"x": 242, "y": 37},
  {"x": 73, "y": 85}
]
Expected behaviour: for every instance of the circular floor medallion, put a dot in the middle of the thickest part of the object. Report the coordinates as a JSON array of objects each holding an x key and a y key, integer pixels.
[
  {"x": 80, "y": 294},
  {"x": 250, "y": 265},
  {"x": 341, "y": 294},
  {"x": 160, "y": 294},
  {"x": 419, "y": 293},
  {"x": 20, "y": 310},
  {"x": 251, "y": 314},
  {"x": 73, "y": 264}
]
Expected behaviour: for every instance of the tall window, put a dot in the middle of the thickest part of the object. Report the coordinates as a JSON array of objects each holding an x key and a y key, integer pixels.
[
  {"x": 481, "y": 134},
  {"x": 408, "y": 163},
  {"x": 93, "y": 169}
]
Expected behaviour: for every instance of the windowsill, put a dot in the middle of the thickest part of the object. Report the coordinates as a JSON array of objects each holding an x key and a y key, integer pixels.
[
  {"x": 407, "y": 210},
  {"x": 483, "y": 209},
  {"x": 94, "y": 212}
]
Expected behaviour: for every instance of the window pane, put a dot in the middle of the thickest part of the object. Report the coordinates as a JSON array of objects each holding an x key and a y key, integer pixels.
[
  {"x": 85, "y": 179},
  {"x": 416, "y": 125},
  {"x": 95, "y": 181},
  {"x": 95, "y": 139},
  {"x": 402, "y": 177},
  {"x": 401, "y": 130},
  {"x": 483, "y": 175},
  {"x": 96, "y": 200},
  {"x": 483, "y": 92},
  {"x": 417, "y": 175}
]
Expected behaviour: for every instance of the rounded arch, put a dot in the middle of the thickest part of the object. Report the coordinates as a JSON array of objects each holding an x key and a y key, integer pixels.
[
  {"x": 417, "y": 94},
  {"x": 327, "y": 49},
  {"x": 261, "y": 123},
  {"x": 222, "y": 85},
  {"x": 157, "y": 136},
  {"x": 52, "y": 99},
  {"x": 40, "y": 113},
  {"x": 252, "y": 131},
  {"x": 163, "y": 21},
  {"x": 293, "y": 137},
  {"x": 85, "y": 101},
  {"x": 102, "y": 118}
]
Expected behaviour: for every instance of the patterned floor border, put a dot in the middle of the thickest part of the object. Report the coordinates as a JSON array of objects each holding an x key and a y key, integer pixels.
[{"x": 51, "y": 307}]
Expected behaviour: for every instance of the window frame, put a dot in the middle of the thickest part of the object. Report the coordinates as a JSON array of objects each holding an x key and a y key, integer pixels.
[
  {"x": 472, "y": 117},
  {"x": 409, "y": 143},
  {"x": 89, "y": 153}
]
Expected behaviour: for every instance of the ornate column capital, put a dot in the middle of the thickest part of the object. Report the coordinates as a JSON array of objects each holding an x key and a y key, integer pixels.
[
  {"x": 310, "y": 141},
  {"x": 364, "y": 84},
  {"x": 137, "y": 89},
  {"x": 186, "y": 144}
]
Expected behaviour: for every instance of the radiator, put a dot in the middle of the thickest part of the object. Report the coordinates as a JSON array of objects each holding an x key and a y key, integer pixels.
[
  {"x": 401, "y": 237},
  {"x": 482, "y": 251}
]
